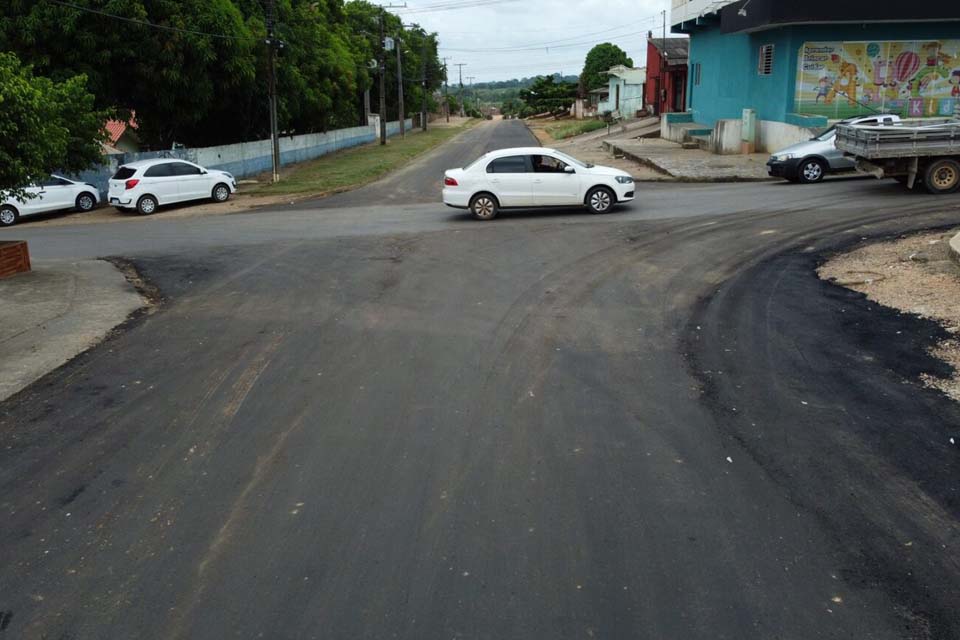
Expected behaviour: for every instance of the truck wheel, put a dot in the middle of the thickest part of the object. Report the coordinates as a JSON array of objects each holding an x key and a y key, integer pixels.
[{"x": 942, "y": 176}]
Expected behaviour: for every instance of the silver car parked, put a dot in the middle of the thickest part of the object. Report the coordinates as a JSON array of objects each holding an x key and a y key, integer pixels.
[{"x": 810, "y": 161}]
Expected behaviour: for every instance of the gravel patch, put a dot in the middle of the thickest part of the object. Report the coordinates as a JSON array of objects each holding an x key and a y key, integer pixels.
[{"x": 914, "y": 274}]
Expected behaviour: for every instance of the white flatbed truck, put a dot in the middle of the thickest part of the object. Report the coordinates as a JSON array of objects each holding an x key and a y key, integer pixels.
[{"x": 924, "y": 152}]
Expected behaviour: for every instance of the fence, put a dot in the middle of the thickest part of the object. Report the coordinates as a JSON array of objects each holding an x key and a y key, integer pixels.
[{"x": 246, "y": 159}]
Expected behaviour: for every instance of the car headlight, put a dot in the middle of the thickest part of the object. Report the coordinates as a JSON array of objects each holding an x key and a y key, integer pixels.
[
  {"x": 624, "y": 179},
  {"x": 783, "y": 157}
]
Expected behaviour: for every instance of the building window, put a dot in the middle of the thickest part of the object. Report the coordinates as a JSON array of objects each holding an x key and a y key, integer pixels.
[
  {"x": 765, "y": 64},
  {"x": 696, "y": 74}
]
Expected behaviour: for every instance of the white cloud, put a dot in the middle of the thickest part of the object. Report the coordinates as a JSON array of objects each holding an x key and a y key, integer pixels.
[{"x": 555, "y": 36}]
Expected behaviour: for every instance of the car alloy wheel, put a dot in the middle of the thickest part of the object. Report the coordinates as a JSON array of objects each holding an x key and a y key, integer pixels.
[
  {"x": 600, "y": 200},
  {"x": 7, "y": 216},
  {"x": 147, "y": 205},
  {"x": 484, "y": 207},
  {"x": 812, "y": 171},
  {"x": 85, "y": 202},
  {"x": 221, "y": 193}
]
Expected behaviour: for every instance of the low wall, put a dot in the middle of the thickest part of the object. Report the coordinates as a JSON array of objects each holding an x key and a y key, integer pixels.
[
  {"x": 772, "y": 136},
  {"x": 246, "y": 159}
]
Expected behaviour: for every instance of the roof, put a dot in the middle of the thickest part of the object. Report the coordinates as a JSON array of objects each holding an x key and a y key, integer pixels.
[
  {"x": 633, "y": 75},
  {"x": 677, "y": 49},
  {"x": 601, "y": 90},
  {"x": 116, "y": 128}
]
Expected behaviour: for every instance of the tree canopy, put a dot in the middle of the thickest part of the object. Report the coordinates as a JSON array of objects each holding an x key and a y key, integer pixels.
[
  {"x": 197, "y": 74},
  {"x": 44, "y": 126},
  {"x": 546, "y": 95},
  {"x": 599, "y": 60}
]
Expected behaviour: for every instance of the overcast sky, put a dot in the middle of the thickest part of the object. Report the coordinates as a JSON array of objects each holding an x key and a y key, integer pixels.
[{"x": 555, "y": 35}]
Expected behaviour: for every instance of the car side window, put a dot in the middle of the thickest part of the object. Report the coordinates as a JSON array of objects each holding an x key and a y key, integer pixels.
[
  {"x": 184, "y": 169},
  {"x": 159, "y": 171},
  {"x": 547, "y": 164},
  {"x": 510, "y": 164},
  {"x": 51, "y": 182}
]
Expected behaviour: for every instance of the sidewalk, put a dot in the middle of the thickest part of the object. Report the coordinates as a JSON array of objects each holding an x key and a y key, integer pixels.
[
  {"x": 54, "y": 313},
  {"x": 690, "y": 165}
]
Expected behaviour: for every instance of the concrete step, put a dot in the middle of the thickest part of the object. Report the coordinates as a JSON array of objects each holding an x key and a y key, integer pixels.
[
  {"x": 702, "y": 141},
  {"x": 651, "y": 131}
]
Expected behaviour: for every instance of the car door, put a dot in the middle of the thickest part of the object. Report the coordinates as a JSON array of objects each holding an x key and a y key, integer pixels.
[
  {"x": 54, "y": 194},
  {"x": 191, "y": 181},
  {"x": 160, "y": 181},
  {"x": 510, "y": 179},
  {"x": 552, "y": 185},
  {"x": 32, "y": 202}
]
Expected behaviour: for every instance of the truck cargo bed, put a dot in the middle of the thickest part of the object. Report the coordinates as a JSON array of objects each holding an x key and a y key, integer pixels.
[{"x": 909, "y": 140}]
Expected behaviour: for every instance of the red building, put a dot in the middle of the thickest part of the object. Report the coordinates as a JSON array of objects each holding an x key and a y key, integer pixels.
[{"x": 667, "y": 70}]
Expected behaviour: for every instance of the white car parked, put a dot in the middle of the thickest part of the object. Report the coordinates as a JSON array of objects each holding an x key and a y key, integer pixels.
[
  {"x": 534, "y": 177},
  {"x": 147, "y": 184},
  {"x": 54, "y": 194}
]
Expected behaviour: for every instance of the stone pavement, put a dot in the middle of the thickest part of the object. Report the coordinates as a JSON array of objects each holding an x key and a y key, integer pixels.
[
  {"x": 691, "y": 165},
  {"x": 54, "y": 313},
  {"x": 654, "y": 159}
]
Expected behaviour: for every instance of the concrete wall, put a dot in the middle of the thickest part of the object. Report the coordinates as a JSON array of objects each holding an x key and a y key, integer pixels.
[
  {"x": 772, "y": 136},
  {"x": 246, "y": 159}
]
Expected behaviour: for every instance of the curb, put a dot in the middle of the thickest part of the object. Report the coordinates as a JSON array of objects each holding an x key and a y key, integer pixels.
[{"x": 955, "y": 248}]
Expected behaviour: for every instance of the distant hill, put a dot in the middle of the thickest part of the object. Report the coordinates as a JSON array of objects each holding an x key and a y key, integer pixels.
[{"x": 498, "y": 92}]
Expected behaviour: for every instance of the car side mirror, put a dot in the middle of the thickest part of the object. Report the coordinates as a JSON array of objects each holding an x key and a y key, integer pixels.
[
  {"x": 569, "y": 169},
  {"x": 203, "y": 171}
]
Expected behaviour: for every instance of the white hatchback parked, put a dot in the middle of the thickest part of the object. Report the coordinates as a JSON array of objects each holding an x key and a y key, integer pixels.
[
  {"x": 53, "y": 194},
  {"x": 534, "y": 177},
  {"x": 147, "y": 184}
]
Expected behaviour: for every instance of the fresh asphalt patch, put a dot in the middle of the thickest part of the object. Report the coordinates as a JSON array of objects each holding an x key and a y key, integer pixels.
[{"x": 823, "y": 388}]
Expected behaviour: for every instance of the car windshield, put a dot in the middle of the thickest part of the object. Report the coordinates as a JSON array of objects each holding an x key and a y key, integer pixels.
[
  {"x": 572, "y": 160},
  {"x": 123, "y": 173},
  {"x": 826, "y": 135},
  {"x": 467, "y": 168}
]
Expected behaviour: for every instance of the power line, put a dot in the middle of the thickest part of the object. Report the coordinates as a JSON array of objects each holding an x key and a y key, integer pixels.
[
  {"x": 542, "y": 46},
  {"x": 461, "y": 4},
  {"x": 147, "y": 23}
]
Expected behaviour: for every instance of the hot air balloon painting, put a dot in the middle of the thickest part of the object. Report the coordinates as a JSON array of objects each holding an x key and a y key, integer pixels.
[{"x": 906, "y": 66}]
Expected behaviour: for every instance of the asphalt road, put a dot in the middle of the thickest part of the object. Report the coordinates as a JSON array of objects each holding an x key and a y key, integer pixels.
[{"x": 389, "y": 420}]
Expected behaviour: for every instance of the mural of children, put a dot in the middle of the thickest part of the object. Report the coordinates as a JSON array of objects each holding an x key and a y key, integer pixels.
[
  {"x": 955, "y": 82},
  {"x": 823, "y": 88}
]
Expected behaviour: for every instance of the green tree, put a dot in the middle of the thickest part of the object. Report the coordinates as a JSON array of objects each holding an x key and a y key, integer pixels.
[
  {"x": 546, "y": 95},
  {"x": 599, "y": 60},
  {"x": 44, "y": 126}
]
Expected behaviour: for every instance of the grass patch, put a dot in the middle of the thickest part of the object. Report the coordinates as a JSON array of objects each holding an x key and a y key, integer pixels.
[
  {"x": 350, "y": 168},
  {"x": 571, "y": 129}
]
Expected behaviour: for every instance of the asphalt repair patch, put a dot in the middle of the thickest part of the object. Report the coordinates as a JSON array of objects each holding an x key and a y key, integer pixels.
[{"x": 822, "y": 388}]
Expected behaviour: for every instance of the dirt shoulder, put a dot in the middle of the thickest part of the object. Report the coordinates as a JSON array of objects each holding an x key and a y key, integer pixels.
[{"x": 914, "y": 274}]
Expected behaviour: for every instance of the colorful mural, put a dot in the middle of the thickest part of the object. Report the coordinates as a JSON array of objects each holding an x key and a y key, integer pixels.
[{"x": 914, "y": 79}]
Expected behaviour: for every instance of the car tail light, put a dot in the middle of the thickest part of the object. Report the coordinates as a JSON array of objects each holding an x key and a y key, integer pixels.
[
  {"x": 450, "y": 182},
  {"x": 130, "y": 184}
]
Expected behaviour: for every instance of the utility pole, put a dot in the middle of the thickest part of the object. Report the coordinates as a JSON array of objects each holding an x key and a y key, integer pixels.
[
  {"x": 423, "y": 79},
  {"x": 446, "y": 84},
  {"x": 403, "y": 125},
  {"x": 383, "y": 79},
  {"x": 663, "y": 66},
  {"x": 473, "y": 96},
  {"x": 273, "y": 45},
  {"x": 461, "y": 65}
]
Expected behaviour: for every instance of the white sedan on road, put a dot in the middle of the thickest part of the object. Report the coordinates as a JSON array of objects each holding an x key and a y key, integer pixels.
[
  {"x": 53, "y": 194},
  {"x": 534, "y": 177},
  {"x": 147, "y": 184}
]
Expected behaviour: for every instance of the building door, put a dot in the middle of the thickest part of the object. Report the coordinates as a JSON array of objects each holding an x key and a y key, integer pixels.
[{"x": 616, "y": 103}]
